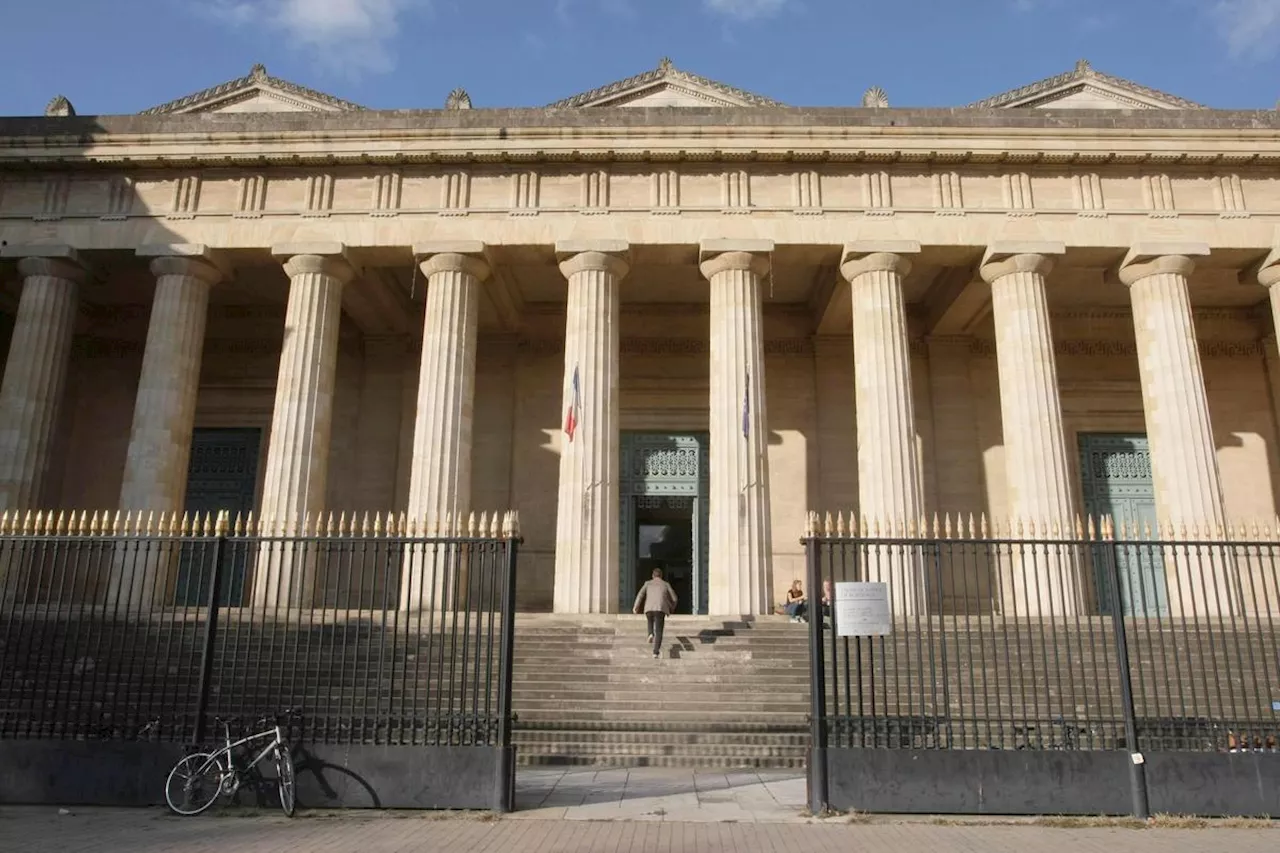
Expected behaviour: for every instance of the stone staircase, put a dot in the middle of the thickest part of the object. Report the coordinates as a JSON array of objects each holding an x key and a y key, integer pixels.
[{"x": 723, "y": 694}]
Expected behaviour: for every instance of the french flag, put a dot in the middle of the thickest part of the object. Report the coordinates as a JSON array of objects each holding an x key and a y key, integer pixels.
[{"x": 571, "y": 416}]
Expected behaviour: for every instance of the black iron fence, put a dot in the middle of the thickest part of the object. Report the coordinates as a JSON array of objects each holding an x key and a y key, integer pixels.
[
  {"x": 379, "y": 632},
  {"x": 1044, "y": 641}
]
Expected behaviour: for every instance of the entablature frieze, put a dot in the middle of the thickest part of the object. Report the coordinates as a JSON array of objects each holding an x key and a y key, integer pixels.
[{"x": 1015, "y": 187}]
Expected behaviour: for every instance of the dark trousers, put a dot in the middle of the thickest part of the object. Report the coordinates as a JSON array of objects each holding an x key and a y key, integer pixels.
[{"x": 656, "y": 620}]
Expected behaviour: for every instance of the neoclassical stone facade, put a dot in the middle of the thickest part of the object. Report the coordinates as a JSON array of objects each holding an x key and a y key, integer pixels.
[{"x": 662, "y": 305}]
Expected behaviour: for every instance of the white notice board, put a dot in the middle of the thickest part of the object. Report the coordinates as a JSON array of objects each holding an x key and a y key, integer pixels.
[{"x": 862, "y": 609}]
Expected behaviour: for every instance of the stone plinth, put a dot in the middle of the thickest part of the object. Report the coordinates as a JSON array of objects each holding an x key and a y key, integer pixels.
[
  {"x": 586, "y": 567},
  {"x": 740, "y": 547}
]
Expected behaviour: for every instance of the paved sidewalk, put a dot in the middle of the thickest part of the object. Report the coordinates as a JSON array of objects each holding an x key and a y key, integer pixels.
[
  {"x": 742, "y": 796},
  {"x": 43, "y": 830}
]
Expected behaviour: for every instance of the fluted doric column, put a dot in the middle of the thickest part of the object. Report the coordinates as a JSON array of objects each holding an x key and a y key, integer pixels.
[
  {"x": 889, "y": 483},
  {"x": 155, "y": 471},
  {"x": 1036, "y": 470},
  {"x": 440, "y": 477},
  {"x": 1269, "y": 277},
  {"x": 1184, "y": 460},
  {"x": 740, "y": 549},
  {"x": 36, "y": 372},
  {"x": 298, "y": 452},
  {"x": 586, "y": 568}
]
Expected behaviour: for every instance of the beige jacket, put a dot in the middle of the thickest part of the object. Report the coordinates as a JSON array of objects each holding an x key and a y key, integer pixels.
[{"x": 656, "y": 595}]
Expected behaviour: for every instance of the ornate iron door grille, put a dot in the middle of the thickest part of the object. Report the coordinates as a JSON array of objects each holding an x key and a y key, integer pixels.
[{"x": 657, "y": 466}]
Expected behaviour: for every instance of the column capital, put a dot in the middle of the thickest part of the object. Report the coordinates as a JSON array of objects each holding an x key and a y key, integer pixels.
[
  {"x": 473, "y": 265},
  {"x": 325, "y": 258},
  {"x": 866, "y": 256},
  {"x": 1268, "y": 272},
  {"x": 55, "y": 260},
  {"x": 1148, "y": 259},
  {"x": 187, "y": 259},
  {"x": 464, "y": 256},
  {"x": 184, "y": 259},
  {"x": 1002, "y": 259},
  {"x": 716, "y": 256},
  {"x": 611, "y": 256}
]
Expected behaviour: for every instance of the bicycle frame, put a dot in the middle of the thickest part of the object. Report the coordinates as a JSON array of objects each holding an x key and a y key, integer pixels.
[{"x": 277, "y": 739}]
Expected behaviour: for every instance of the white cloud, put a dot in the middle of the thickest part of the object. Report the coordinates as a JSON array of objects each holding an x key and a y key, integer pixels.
[
  {"x": 351, "y": 36},
  {"x": 1250, "y": 28},
  {"x": 745, "y": 10}
]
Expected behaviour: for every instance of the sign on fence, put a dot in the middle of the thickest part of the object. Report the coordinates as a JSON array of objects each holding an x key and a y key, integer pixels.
[{"x": 862, "y": 609}]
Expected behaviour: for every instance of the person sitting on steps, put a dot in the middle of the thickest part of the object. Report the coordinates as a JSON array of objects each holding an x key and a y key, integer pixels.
[
  {"x": 796, "y": 606},
  {"x": 655, "y": 600}
]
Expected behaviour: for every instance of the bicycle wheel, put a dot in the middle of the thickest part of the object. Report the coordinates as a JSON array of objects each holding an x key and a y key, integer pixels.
[
  {"x": 193, "y": 784},
  {"x": 285, "y": 779}
]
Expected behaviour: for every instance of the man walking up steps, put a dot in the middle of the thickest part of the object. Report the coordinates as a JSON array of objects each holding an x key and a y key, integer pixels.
[{"x": 655, "y": 600}]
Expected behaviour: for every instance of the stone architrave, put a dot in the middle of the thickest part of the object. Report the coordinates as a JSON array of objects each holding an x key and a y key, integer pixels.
[
  {"x": 1184, "y": 461},
  {"x": 440, "y": 474},
  {"x": 35, "y": 374},
  {"x": 890, "y": 492},
  {"x": 298, "y": 451},
  {"x": 1036, "y": 469},
  {"x": 586, "y": 566},
  {"x": 740, "y": 549},
  {"x": 155, "y": 471}
]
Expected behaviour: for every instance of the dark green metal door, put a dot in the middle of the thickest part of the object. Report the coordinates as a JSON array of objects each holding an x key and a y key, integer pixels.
[
  {"x": 222, "y": 475},
  {"x": 1116, "y": 474}
]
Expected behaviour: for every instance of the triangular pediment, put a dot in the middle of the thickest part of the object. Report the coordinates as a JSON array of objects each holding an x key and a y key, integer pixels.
[
  {"x": 1087, "y": 89},
  {"x": 258, "y": 92},
  {"x": 666, "y": 86}
]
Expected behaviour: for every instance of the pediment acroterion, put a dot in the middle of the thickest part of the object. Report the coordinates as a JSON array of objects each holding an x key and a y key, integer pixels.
[
  {"x": 666, "y": 86},
  {"x": 1086, "y": 88},
  {"x": 257, "y": 92}
]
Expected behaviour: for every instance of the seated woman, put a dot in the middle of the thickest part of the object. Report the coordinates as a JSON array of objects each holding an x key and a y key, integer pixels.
[{"x": 796, "y": 607}]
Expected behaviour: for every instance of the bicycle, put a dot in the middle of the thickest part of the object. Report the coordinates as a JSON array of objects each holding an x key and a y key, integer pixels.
[{"x": 202, "y": 777}]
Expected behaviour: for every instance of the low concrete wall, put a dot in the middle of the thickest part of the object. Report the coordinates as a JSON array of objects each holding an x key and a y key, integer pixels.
[
  {"x": 103, "y": 773},
  {"x": 1005, "y": 782},
  {"x": 1026, "y": 782}
]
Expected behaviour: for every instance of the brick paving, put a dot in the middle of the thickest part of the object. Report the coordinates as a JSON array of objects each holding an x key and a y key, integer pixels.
[
  {"x": 37, "y": 830},
  {"x": 590, "y": 809}
]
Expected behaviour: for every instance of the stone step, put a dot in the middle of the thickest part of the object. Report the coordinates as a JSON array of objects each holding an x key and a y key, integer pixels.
[
  {"x": 538, "y": 737},
  {"x": 674, "y": 761},
  {"x": 618, "y": 750}
]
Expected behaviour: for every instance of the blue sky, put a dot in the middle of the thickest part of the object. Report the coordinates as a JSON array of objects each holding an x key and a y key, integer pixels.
[{"x": 120, "y": 56}]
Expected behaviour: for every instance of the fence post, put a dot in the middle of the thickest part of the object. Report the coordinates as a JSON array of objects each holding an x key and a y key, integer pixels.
[
  {"x": 818, "y": 795},
  {"x": 210, "y": 629},
  {"x": 505, "y": 795},
  {"x": 1137, "y": 768}
]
